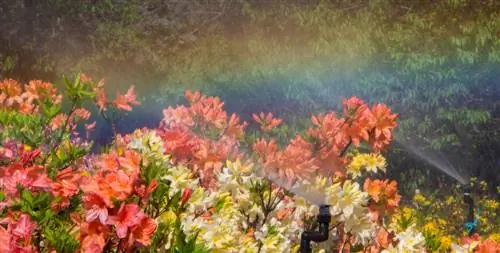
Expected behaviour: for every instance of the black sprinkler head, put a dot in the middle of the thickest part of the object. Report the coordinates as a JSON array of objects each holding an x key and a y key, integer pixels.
[
  {"x": 467, "y": 194},
  {"x": 324, "y": 217},
  {"x": 471, "y": 222}
]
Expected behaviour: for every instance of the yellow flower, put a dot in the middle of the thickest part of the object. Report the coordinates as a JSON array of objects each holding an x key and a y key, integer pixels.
[
  {"x": 168, "y": 218},
  {"x": 369, "y": 162},
  {"x": 420, "y": 199},
  {"x": 431, "y": 227},
  {"x": 445, "y": 242},
  {"x": 450, "y": 200},
  {"x": 408, "y": 212},
  {"x": 355, "y": 166},
  {"x": 495, "y": 237},
  {"x": 442, "y": 222},
  {"x": 491, "y": 204}
]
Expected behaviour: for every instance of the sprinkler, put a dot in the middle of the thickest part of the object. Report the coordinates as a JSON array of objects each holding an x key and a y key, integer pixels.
[
  {"x": 471, "y": 222},
  {"x": 324, "y": 218}
]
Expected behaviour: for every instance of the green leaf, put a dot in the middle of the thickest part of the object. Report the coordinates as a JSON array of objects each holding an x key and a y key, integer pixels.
[{"x": 27, "y": 197}]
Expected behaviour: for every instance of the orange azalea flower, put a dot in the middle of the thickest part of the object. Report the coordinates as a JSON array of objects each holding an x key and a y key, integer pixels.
[
  {"x": 330, "y": 163},
  {"x": 264, "y": 148},
  {"x": 41, "y": 91},
  {"x": 488, "y": 246},
  {"x": 354, "y": 107},
  {"x": 92, "y": 236},
  {"x": 33, "y": 178},
  {"x": 121, "y": 102},
  {"x": 358, "y": 128},
  {"x": 384, "y": 239},
  {"x": 89, "y": 128},
  {"x": 93, "y": 243},
  {"x": 18, "y": 234},
  {"x": 178, "y": 117},
  {"x": 329, "y": 133},
  {"x": 384, "y": 123},
  {"x": 5, "y": 239},
  {"x": 58, "y": 121},
  {"x": 192, "y": 97},
  {"x": 95, "y": 208},
  {"x": 210, "y": 111},
  {"x": 283, "y": 213},
  {"x": 84, "y": 78},
  {"x": 65, "y": 186},
  {"x": 27, "y": 107},
  {"x": 143, "y": 232},
  {"x": 267, "y": 122},
  {"x": 131, "y": 96},
  {"x": 234, "y": 128},
  {"x": 373, "y": 188},
  {"x": 81, "y": 113},
  {"x": 11, "y": 90},
  {"x": 101, "y": 100},
  {"x": 385, "y": 196},
  {"x": 209, "y": 160},
  {"x": 108, "y": 162},
  {"x": 250, "y": 232},
  {"x": 117, "y": 185},
  {"x": 130, "y": 163},
  {"x": 127, "y": 217},
  {"x": 23, "y": 227},
  {"x": 179, "y": 144},
  {"x": 296, "y": 161},
  {"x": 144, "y": 192},
  {"x": 3, "y": 96},
  {"x": 124, "y": 102},
  {"x": 186, "y": 194}
]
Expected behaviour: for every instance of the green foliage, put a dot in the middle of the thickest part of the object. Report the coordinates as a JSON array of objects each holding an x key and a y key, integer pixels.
[
  {"x": 62, "y": 242},
  {"x": 434, "y": 62},
  {"x": 37, "y": 206}
]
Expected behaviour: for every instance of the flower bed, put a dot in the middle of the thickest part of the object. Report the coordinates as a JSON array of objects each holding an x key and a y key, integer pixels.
[{"x": 200, "y": 182}]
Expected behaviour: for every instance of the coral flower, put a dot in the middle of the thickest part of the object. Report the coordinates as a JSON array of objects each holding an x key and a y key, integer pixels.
[
  {"x": 119, "y": 185},
  {"x": 101, "y": 100},
  {"x": 127, "y": 217},
  {"x": 130, "y": 162},
  {"x": 95, "y": 208},
  {"x": 58, "y": 121},
  {"x": 66, "y": 185},
  {"x": 143, "y": 232},
  {"x": 267, "y": 122},
  {"x": 186, "y": 194},
  {"x": 93, "y": 243},
  {"x": 108, "y": 162},
  {"x": 92, "y": 236},
  {"x": 124, "y": 102},
  {"x": 5, "y": 238},
  {"x": 144, "y": 192}
]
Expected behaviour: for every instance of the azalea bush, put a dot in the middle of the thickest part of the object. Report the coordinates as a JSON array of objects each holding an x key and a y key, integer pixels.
[{"x": 202, "y": 181}]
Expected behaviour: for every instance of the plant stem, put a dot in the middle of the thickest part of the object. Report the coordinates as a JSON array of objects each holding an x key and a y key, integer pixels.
[{"x": 60, "y": 137}]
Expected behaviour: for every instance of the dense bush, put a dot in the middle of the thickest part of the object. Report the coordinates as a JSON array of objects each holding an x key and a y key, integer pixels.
[
  {"x": 197, "y": 184},
  {"x": 434, "y": 62}
]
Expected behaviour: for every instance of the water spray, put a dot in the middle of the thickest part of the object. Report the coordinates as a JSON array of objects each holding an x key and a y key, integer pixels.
[
  {"x": 324, "y": 217},
  {"x": 471, "y": 221}
]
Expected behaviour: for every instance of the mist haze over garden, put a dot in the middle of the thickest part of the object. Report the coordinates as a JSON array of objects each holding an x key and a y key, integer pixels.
[{"x": 431, "y": 68}]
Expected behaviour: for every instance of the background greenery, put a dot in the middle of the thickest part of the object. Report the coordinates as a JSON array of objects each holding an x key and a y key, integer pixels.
[{"x": 434, "y": 62}]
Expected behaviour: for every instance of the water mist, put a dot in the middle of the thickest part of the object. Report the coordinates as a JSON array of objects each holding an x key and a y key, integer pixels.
[{"x": 436, "y": 159}]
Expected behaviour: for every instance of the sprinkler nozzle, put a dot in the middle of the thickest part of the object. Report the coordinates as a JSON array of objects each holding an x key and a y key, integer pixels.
[
  {"x": 324, "y": 217},
  {"x": 471, "y": 222}
]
